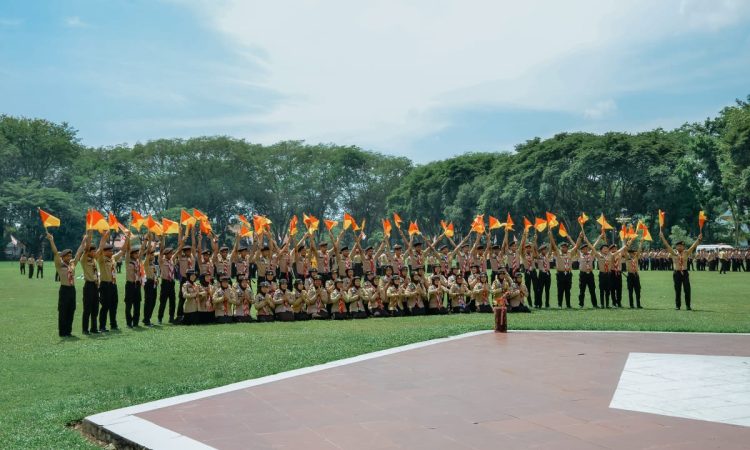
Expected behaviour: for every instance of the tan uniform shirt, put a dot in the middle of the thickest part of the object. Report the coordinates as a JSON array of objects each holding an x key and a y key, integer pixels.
[
  {"x": 90, "y": 271},
  {"x": 67, "y": 272}
]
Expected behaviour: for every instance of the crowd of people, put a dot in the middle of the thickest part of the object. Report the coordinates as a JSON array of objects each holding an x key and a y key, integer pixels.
[
  {"x": 264, "y": 279},
  {"x": 723, "y": 261}
]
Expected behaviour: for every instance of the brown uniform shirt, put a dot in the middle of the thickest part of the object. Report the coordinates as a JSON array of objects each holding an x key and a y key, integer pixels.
[
  {"x": 90, "y": 271},
  {"x": 67, "y": 272}
]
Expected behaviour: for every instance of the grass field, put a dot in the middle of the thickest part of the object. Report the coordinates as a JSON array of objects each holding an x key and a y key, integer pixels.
[{"x": 48, "y": 382}]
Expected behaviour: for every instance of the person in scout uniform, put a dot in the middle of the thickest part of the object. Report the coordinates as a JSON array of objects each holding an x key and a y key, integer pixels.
[
  {"x": 512, "y": 254},
  {"x": 167, "y": 293},
  {"x": 633, "y": 277},
  {"x": 39, "y": 266},
  {"x": 264, "y": 302},
  {"x": 108, "y": 297},
  {"x": 134, "y": 273},
  {"x": 90, "y": 287},
  {"x": 299, "y": 300},
  {"x": 224, "y": 299},
  {"x": 244, "y": 300},
  {"x": 220, "y": 258},
  {"x": 22, "y": 261},
  {"x": 563, "y": 265},
  {"x": 680, "y": 276},
  {"x": 317, "y": 299},
  {"x": 517, "y": 294},
  {"x": 31, "y": 262},
  {"x": 191, "y": 293},
  {"x": 458, "y": 293},
  {"x": 615, "y": 276},
  {"x": 356, "y": 297},
  {"x": 528, "y": 257},
  {"x": 435, "y": 294},
  {"x": 149, "y": 289},
  {"x": 413, "y": 296},
  {"x": 586, "y": 272},
  {"x": 185, "y": 262},
  {"x": 205, "y": 305},
  {"x": 395, "y": 295},
  {"x": 282, "y": 300},
  {"x": 481, "y": 293},
  {"x": 65, "y": 264}
]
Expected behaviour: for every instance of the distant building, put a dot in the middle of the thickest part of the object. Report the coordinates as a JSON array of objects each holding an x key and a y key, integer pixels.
[
  {"x": 727, "y": 219},
  {"x": 14, "y": 251}
]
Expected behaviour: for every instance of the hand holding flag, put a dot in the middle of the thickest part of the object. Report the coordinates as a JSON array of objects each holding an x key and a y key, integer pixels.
[
  {"x": 48, "y": 220},
  {"x": 701, "y": 219}
]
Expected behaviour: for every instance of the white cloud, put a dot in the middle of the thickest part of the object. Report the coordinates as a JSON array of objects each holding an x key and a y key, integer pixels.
[
  {"x": 75, "y": 22},
  {"x": 374, "y": 73}
]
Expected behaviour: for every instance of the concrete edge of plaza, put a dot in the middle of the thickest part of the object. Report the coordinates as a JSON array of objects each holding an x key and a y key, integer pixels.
[{"x": 124, "y": 428}]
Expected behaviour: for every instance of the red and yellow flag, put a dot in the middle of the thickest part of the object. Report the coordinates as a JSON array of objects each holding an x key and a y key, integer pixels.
[
  {"x": 701, "y": 219},
  {"x": 509, "y": 223},
  {"x": 540, "y": 224},
  {"x": 261, "y": 223},
  {"x": 113, "y": 223},
  {"x": 413, "y": 228},
  {"x": 48, "y": 220},
  {"x": 169, "y": 226},
  {"x": 348, "y": 221},
  {"x": 477, "y": 225},
  {"x": 583, "y": 218},
  {"x": 293, "y": 225},
  {"x": 562, "y": 231},
  {"x": 206, "y": 227},
  {"x": 397, "y": 220},
  {"x": 244, "y": 220},
  {"x": 96, "y": 221},
  {"x": 552, "y": 220},
  {"x": 244, "y": 231},
  {"x": 387, "y": 227},
  {"x": 631, "y": 232},
  {"x": 331, "y": 223},
  {"x": 662, "y": 217},
  {"x": 187, "y": 219},
  {"x": 526, "y": 223},
  {"x": 199, "y": 215},
  {"x": 136, "y": 220},
  {"x": 311, "y": 222},
  {"x": 153, "y": 226},
  {"x": 603, "y": 222},
  {"x": 494, "y": 223},
  {"x": 447, "y": 228}
]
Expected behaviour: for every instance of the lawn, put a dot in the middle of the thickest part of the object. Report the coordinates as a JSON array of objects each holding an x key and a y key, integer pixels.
[{"x": 48, "y": 382}]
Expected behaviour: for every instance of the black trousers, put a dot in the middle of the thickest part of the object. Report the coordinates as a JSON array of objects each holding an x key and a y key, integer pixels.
[
  {"x": 530, "y": 278},
  {"x": 150, "y": 302},
  {"x": 542, "y": 285},
  {"x": 681, "y": 282},
  {"x": 31, "y": 271},
  {"x": 132, "y": 302},
  {"x": 66, "y": 307},
  {"x": 90, "y": 306},
  {"x": 166, "y": 295},
  {"x": 604, "y": 288},
  {"x": 40, "y": 272},
  {"x": 634, "y": 287},
  {"x": 23, "y": 268},
  {"x": 181, "y": 302},
  {"x": 615, "y": 288},
  {"x": 564, "y": 284},
  {"x": 586, "y": 280},
  {"x": 108, "y": 301}
]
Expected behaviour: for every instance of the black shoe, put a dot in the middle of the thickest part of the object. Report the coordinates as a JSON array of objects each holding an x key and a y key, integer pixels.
[
  {"x": 86, "y": 332},
  {"x": 170, "y": 321},
  {"x": 96, "y": 332},
  {"x": 103, "y": 330},
  {"x": 689, "y": 308},
  {"x": 114, "y": 328},
  {"x": 640, "y": 307}
]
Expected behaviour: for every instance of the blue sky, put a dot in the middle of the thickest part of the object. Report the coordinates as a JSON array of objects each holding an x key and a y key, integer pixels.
[{"x": 421, "y": 79}]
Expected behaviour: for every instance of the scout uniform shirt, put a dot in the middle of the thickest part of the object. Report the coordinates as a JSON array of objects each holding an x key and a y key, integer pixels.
[
  {"x": 107, "y": 268},
  {"x": 185, "y": 263},
  {"x": 133, "y": 269},
  {"x": 244, "y": 300},
  {"x": 224, "y": 300},
  {"x": 632, "y": 262},
  {"x": 585, "y": 262},
  {"x": 166, "y": 268},
  {"x": 302, "y": 266},
  {"x": 563, "y": 261},
  {"x": 680, "y": 259},
  {"x": 150, "y": 267},
  {"x": 90, "y": 271},
  {"x": 67, "y": 272},
  {"x": 354, "y": 298},
  {"x": 206, "y": 266},
  {"x": 223, "y": 265},
  {"x": 542, "y": 262}
]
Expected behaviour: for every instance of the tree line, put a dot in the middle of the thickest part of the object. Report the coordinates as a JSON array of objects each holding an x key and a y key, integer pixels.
[{"x": 699, "y": 166}]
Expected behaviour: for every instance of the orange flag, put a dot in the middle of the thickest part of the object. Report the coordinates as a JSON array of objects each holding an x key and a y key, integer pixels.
[
  {"x": 206, "y": 227},
  {"x": 526, "y": 223},
  {"x": 397, "y": 220},
  {"x": 701, "y": 219},
  {"x": 646, "y": 235},
  {"x": 260, "y": 223},
  {"x": 244, "y": 231},
  {"x": 631, "y": 231},
  {"x": 97, "y": 222},
  {"x": 562, "y": 231},
  {"x": 311, "y": 222},
  {"x": 48, "y": 220},
  {"x": 662, "y": 216},
  {"x": 603, "y": 222},
  {"x": 494, "y": 223},
  {"x": 330, "y": 223},
  {"x": 583, "y": 218},
  {"x": 623, "y": 232},
  {"x": 244, "y": 220},
  {"x": 199, "y": 215},
  {"x": 293, "y": 225},
  {"x": 413, "y": 229},
  {"x": 348, "y": 221},
  {"x": 447, "y": 228},
  {"x": 113, "y": 223},
  {"x": 136, "y": 220},
  {"x": 477, "y": 225},
  {"x": 153, "y": 226},
  {"x": 186, "y": 219},
  {"x": 551, "y": 220},
  {"x": 540, "y": 224},
  {"x": 509, "y": 223},
  {"x": 169, "y": 226},
  {"x": 387, "y": 227}
]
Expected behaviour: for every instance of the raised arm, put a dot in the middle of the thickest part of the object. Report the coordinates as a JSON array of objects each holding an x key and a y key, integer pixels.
[
  {"x": 664, "y": 241},
  {"x": 695, "y": 244}
]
